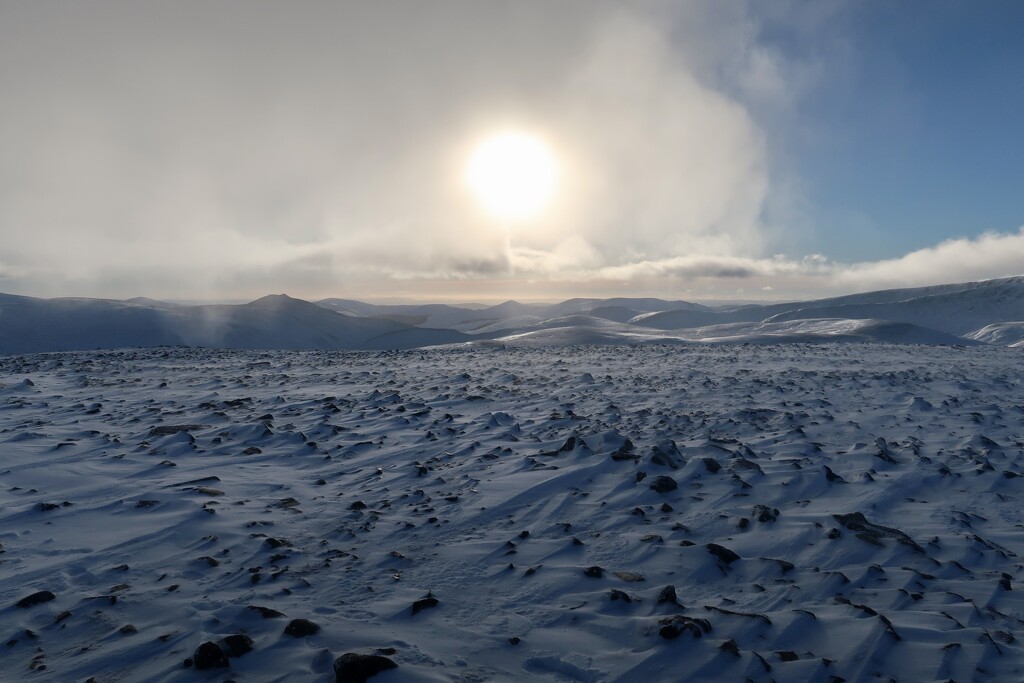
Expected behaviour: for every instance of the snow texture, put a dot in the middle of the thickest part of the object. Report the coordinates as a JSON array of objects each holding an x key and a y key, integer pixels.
[{"x": 552, "y": 513}]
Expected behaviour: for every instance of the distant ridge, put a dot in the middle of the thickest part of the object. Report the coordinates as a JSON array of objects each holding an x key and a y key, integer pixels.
[{"x": 972, "y": 313}]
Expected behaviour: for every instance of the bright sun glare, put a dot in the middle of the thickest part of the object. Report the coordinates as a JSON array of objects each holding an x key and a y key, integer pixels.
[{"x": 513, "y": 175}]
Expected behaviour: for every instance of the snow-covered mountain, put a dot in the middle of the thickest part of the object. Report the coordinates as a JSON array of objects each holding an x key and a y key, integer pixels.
[
  {"x": 985, "y": 312},
  {"x": 273, "y": 322}
]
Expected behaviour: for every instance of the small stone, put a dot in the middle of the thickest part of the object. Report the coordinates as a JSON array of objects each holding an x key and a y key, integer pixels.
[
  {"x": 129, "y": 629},
  {"x": 514, "y": 640},
  {"x": 787, "y": 656},
  {"x": 724, "y": 554},
  {"x": 594, "y": 572},
  {"x": 35, "y": 599},
  {"x": 711, "y": 465},
  {"x": 668, "y": 596},
  {"x": 300, "y": 628},
  {"x": 356, "y": 668},
  {"x": 266, "y": 612},
  {"x": 424, "y": 603},
  {"x": 615, "y": 595}
]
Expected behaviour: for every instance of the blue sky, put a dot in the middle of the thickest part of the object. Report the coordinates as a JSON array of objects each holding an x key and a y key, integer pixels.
[
  {"x": 918, "y": 137},
  {"x": 734, "y": 149},
  {"x": 927, "y": 144}
]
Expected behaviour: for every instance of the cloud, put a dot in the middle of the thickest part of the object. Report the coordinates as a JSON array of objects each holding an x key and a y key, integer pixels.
[
  {"x": 190, "y": 150},
  {"x": 990, "y": 255},
  {"x": 341, "y": 130}
]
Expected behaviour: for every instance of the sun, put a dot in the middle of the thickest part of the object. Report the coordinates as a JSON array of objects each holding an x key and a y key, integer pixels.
[{"x": 513, "y": 175}]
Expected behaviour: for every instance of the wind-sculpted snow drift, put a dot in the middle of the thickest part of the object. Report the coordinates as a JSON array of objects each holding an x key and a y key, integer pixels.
[
  {"x": 588, "y": 513},
  {"x": 962, "y": 314}
]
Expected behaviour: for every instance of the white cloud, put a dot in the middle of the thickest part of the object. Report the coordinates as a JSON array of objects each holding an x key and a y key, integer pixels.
[
  {"x": 990, "y": 255},
  {"x": 319, "y": 152}
]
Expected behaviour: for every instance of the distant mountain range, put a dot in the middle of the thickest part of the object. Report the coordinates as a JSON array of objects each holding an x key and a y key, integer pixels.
[{"x": 988, "y": 312}]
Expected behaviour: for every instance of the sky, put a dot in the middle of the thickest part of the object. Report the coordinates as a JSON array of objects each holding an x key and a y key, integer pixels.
[{"x": 725, "y": 149}]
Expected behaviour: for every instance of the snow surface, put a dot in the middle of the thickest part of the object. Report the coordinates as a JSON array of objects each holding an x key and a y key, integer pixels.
[{"x": 173, "y": 489}]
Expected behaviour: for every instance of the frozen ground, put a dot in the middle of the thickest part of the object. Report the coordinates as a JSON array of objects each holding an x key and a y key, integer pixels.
[{"x": 828, "y": 512}]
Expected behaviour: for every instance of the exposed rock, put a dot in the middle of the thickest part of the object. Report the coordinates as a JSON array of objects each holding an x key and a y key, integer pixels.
[
  {"x": 35, "y": 599},
  {"x": 676, "y": 625},
  {"x": 424, "y": 603},
  {"x": 668, "y": 596},
  {"x": 300, "y": 628},
  {"x": 832, "y": 476},
  {"x": 724, "y": 554},
  {"x": 594, "y": 572},
  {"x": 356, "y": 668},
  {"x": 664, "y": 483},
  {"x": 711, "y": 465},
  {"x": 209, "y": 655},
  {"x": 236, "y": 645},
  {"x": 667, "y": 455},
  {"x": 872, "y": 533},
  {"x": 266, "y": 612},
  {"x": 165, "y": 430}
]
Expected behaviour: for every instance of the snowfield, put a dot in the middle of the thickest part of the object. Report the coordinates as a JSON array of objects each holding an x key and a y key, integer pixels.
[{"x": 794, "y": 512}]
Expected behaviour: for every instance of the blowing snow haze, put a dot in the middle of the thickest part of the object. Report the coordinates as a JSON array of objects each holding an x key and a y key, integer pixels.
[{"x": 733, "y": 150}]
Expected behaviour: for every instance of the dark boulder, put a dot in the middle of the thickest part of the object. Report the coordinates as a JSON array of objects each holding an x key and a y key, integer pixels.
[
  {"x": 356, "y": 668},
  {"x": 722, "y": 553},
  {"x": 36, "y": 599},
  {"x": 236, "y": 645},
  {"x": 664, "y": 484},
  {"x": 424, "y": 603},
  {"x": 209, "y": 655},
  {"x": 300, "y": 628}
]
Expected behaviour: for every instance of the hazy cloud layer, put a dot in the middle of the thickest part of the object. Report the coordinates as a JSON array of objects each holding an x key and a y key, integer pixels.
[{"x": 230, "y": 149}]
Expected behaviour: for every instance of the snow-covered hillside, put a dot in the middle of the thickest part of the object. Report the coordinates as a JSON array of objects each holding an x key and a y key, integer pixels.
[
  {"x": 966, "y": 313},
  {"x": 573, "y": 513}
]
